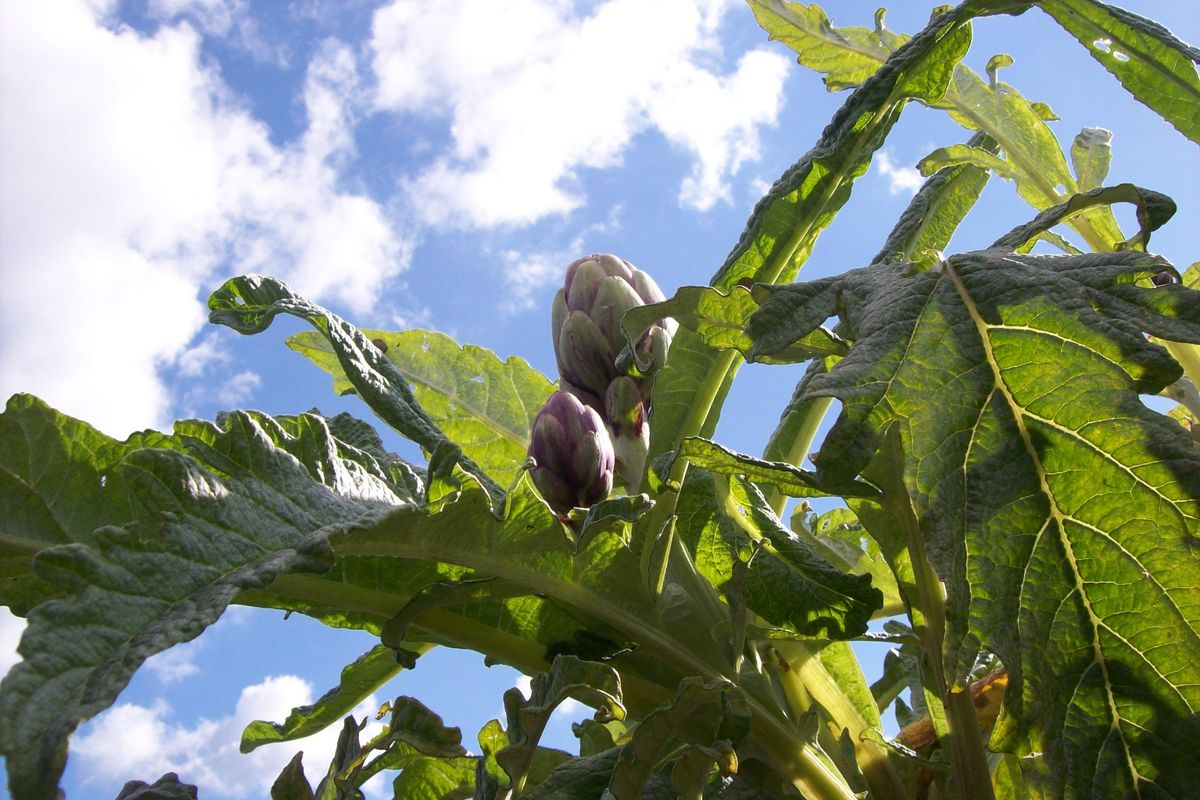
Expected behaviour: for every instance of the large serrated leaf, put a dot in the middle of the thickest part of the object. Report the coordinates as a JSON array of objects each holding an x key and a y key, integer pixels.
[
  {"x": 484, "y": 405},
  {"x": 1046, "y": 491},
  {"x": 180, "y": 529}
]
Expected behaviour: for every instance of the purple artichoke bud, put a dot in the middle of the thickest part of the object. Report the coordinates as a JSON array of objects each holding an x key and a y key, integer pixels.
[
  {"x": 625, "y": 412},
  {"x": 599, "y": 289},
  {"x": 573, "y": 454}
]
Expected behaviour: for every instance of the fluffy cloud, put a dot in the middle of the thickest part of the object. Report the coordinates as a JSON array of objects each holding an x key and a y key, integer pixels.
[
  {"x": 133, "y": 741},
  {"x": 526, "y": 272},
  {"x": 133, "y": 180},
  {"x": 900, "y": 178},
  {"x": 536, "y": 93}
]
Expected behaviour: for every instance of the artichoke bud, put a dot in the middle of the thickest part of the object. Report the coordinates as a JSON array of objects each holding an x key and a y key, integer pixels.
[
  {"x": 614, "y": 298},
  {"x": 602, "y": 288},
  {"x": 573, "y": 454},
  {"x": 584, "y": 356}
]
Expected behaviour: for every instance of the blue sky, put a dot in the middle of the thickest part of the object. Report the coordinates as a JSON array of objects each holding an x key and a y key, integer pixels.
[{"x": 414, "y": 164}]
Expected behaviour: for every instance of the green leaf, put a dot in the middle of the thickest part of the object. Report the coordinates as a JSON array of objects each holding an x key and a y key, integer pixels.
[
  {"x": 789, "y": 480},
  {"x": 1032, "y": 157},
  {"x": 577, "y": 778},
  {"x": 54, "y": 474},
  {"x": 839, "y": 538},
  {"x": 701, "y": 714},
  {"x": 168, "y": 787},
  {"x": 435, "y": 779},
  {"x": 845, "y": 55},
  {"x": 787, "y": 584},
  {"x": 785, "y": 224},
  {"x": 180, "y": 530},
  {"x": 924, "y": 229},
  {"x": 249, "y": 304},
  {"x": 965, "y": 154},
  {"x": 1077, "y": 519},
  {"x": 368, "y": 672},
  {"x": 429, "y": 754},
  {"x": 292, "y": 783},
  {"x": 590, "y": 682},
  {"x": 1153, "y": 211},
  {"x": 1031, "y": 154},
  {"x": 423, "y": 730},
  {"x": 1091, "y": 153},
  {"x": 484, "y": 405},
  {"x": 1156, "y": 68},
  {"x": 719, "y": 318}
]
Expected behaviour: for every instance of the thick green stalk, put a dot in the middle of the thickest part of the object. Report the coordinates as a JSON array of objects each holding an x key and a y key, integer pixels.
[
  {"x": 968, "y": 760},
  {"x": 798, "y": 449},
  {"x": 804, "y": 679}
]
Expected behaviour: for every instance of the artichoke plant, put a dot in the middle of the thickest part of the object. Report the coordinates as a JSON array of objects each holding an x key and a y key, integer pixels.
[
  {"x": 573, "y": 454},
  {"x": 586, "y": 326}
]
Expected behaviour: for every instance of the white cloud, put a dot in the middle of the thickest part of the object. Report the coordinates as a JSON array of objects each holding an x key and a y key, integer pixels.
[
  {"x": 11, "y": 627},
  {"x": 202, "y": 357},
  {"x": 238, "y": 388},
  {"x": 229, "y": 19},
  {"x": 527, "y": 272},
  {"x": 900, "y": 178},
  {"x": 565, "y": 92},
  {"x": 134, "y": 741},
  {"x": 172, "y": 666},
  {"x": 132, "y": 181}
]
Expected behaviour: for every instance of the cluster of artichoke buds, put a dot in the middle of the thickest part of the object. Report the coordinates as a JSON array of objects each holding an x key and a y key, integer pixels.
[{"x": 586, "y": 326}]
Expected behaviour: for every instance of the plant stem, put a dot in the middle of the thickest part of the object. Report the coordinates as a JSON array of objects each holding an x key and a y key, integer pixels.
[
  {"x": 799, "y": 447},
  {"x": 968, "y": 761}
]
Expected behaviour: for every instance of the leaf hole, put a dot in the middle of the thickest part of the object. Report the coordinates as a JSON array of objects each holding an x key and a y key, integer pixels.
[
  {"x": 103, "y": 481},
  {"x": 1103, "y": 45},
  {"x": 1119, "y": 56},
  {"x": 478, "y": 379}
]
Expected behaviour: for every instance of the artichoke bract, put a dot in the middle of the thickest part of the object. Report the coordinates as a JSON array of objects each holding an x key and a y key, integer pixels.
[
  {"x": 573, "y": 454},
  {"x": 586, "y": 326}
]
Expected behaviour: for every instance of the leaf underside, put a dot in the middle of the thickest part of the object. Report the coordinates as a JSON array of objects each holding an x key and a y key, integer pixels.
[
  {"x": 182, "y": 525},
  {"x": 1047, "y": 492}
]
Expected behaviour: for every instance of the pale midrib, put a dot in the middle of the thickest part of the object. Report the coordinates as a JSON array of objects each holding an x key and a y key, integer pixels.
[
  {"x": 1096, "y": 450},
  {"x": 476, "y": 412},
  {"x": 1017, "y": 411}
]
